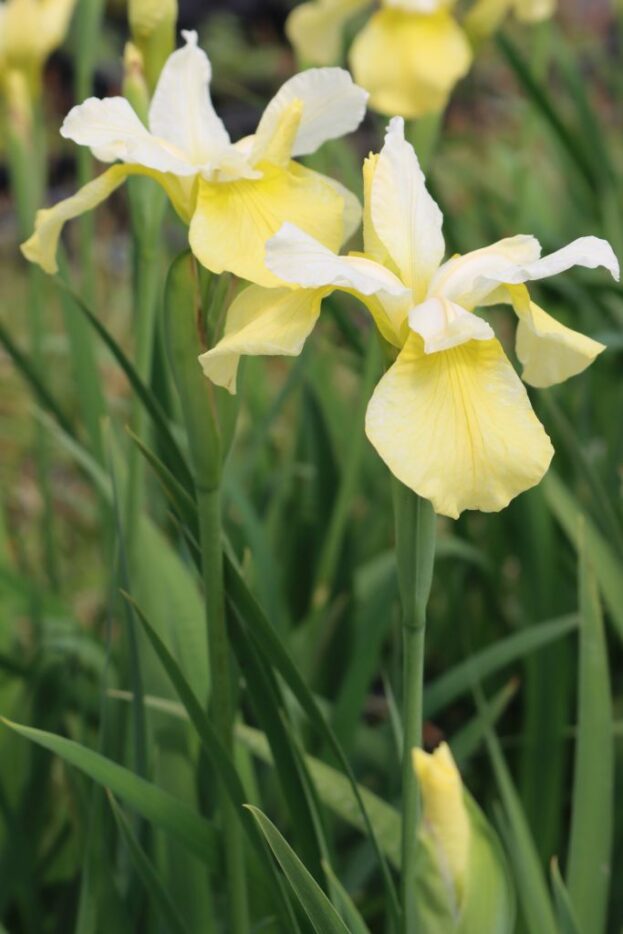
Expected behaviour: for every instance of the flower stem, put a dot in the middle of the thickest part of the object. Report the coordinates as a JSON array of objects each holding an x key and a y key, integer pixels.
[
  {"x": 415, "y": 554},
  {"x": 198, "y": 402}
]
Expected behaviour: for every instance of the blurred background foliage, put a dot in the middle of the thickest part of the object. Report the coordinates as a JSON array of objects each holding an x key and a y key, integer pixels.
[{"x": 532, "y": 142}]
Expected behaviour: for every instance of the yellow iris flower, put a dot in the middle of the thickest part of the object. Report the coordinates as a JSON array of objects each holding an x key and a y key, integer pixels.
[
  {"x": 445, "y": 817},
  {"x": 233, "y": 196},
  {"x": 487, "y": 15},
  {"x": 29, "y": 31},
  {"x": 409, "y": 55},
  {"x": 450, "y": 418}
]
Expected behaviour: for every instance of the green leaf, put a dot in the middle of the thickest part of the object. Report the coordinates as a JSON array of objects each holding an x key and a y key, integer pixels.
[
  {"x": 270, "y": 646},
  {"x": 607, "y": 568},
  {"x": 336, "y": 792},
  {"x": 156, "y": 805},
  {"x": 532, "y": 890},
  {"x": 163, "y": 907},
  {"x": 320, "y": 911},
  {"x": 146, "y": 398},
  {"x": 346, "y": 906},
  {"x": 567, "y": 921},
  {"x": 462, "y": 678},
  {"x": 592, "y": 817}
]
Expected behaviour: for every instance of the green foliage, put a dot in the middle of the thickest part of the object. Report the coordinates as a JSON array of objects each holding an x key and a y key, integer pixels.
[{"x": 118, "y": 792}]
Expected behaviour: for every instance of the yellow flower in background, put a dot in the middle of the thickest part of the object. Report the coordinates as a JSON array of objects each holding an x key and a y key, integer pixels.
[
  {"x": 29, "y": 31},
  {"x": 409, "y": 55},
  {"x": 444, "y": 815},
  {"x": 487, "y": 15},
  {"x": 233, "y": 196},
  {"x": 450, "y": 418}
]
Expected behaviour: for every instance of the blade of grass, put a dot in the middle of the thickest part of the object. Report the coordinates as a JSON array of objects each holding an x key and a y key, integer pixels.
[
  {"x": 567, "y": 921},
  {"x": 314, "y": 902},
  {"x": 461, "y": 678},
  {"x": 608, "y": 569},
  {"x": 154, "y": 804},
  {"x": 163, "y": 907},
  {"x": 532, "y": 890},
  {"x": 266, "y": 640},
  {"x": 590, "y": 846}
]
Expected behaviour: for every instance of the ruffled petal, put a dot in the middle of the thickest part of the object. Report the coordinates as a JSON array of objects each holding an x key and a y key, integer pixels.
[
  {"x": 315, "y": 29},
  {"x": 590, "y": 252},
  {"x": 470, "y": 280},
  {"x": 457, "y": 427},
  {"x": 405, "y": 218},
  {"x": 410, "y": 62},
  {"x": 300, "y": 260},
  {"x": 262, "y": 322},
  {"x": 181, "y": 111},
  {"x": 112, "y": 130},
  {"x": 42, "y": 245},
  {"x": 549, "y": 352},
  {"x": 234, "y": 221},
  {"x": 333, "y": 106}
]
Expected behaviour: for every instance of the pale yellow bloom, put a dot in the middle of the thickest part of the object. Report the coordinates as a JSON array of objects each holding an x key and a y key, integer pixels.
[
  {"x": 29, "y": 31},
  {"x": 451, "y": 418},
  {"x": 233, "y": 196},
  {"x": 445, "y": 818},
  {"x": 487, "y": 15},
  {"x": 409, "y": 55}
]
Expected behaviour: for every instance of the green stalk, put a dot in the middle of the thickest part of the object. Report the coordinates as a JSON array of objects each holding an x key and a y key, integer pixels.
[
  {"x": 88, "y": 18},
  {"x": 146, "y": 291},
  {"x": 415, "y": 555},
  {"x": 26, "y": 157},
  {"x": 184, "y": 331}
]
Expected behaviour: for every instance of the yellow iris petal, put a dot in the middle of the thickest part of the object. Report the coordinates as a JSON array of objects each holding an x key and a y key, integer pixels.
[
  {"x": 548, "y": 351},
  {"x": 233, "y": 221},
  {"x": 262, "y": 322},
  {"x": 315, "y": 29},
  {"x": 457, "y": 427},
  {"x": 42, "y": 245},
  {"x": 410, "y": 62},
  {"x": 277, "y": 148}
]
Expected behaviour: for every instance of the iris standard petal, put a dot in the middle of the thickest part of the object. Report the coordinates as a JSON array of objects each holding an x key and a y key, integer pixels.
[
  {"x": 333, "y": 106},
  {"x": 234, "y": 221},
  {"x": 549, "y": 352},
  {"x": 262, "y": 322},
  {"x": 470, "y": 280},
  {"x": 405, "y": 218},
  {"x": 410, "y": 62},
  {"x": 315, "y": 29},
  {"x": 457, "y": 427},
  {"x": 181, "y": 111},
  {"x": 112, "y": 130},
  {"x": 42, "y": 245}
]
